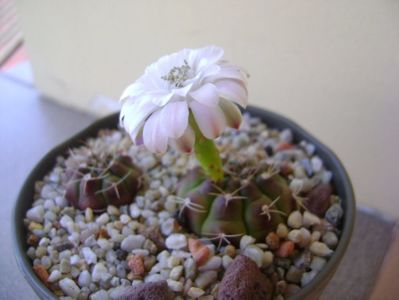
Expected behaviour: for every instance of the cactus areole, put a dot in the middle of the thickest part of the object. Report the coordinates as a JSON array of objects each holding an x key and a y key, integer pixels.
[
  {"x": 223, "y": 211},
  {"x": 117, "y": 183}
]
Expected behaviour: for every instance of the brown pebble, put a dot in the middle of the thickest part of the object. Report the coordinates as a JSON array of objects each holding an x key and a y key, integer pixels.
[
  {"x": 200, "y": 252},
  {"x": 290, "y": 290},
  {"x": 273, "y": 241},
  {"x": 286, "y": 170},
  {"x": 42, "y": 273},
  {"x": 136, "y": 265},
  {"x": 148, "y": 291},
  {"x": 286, "y": 249},
  {"x": 154, "y": 234},
  {"x": 32, "y": 240},
  {"x": 244, "y": 280},
  {"x": 102, "y": 234},
  {"x": 318, "y": 199}
]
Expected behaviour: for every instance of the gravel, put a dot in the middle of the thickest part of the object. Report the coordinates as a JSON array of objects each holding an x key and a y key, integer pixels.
[{"x": 87, "y": 253}]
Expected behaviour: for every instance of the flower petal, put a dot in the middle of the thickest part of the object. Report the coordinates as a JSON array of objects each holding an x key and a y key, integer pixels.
[
  {"x": 233, "y": 90},
  {"x": 174, "y": 118},
  {"x": 210, "y": 120},
  {"x": 206, "y": 94},
  {"x": 161, "y": 98},
  {"x": 183, "y": 91},
  {"x": 155, "y": 138},
  {"x": 186, "y": 142},
  {"x": 231, "y": 113},
  {"x": 132, "y": 90},
  {"x": 228, "y": 71},
  {"x": 209, "y": 55},
  {"x": 134, "y": 112}
]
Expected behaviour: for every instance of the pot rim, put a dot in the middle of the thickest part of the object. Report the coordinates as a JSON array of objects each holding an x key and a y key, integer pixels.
[{"x": 272, "y": 119}]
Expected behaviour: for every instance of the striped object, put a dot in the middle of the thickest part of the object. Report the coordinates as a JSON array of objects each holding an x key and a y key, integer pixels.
[{"x": 10, "y": 33}]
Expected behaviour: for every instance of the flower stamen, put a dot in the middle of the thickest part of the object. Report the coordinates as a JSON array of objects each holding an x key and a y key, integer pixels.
[{"x": 178, "y": 75}]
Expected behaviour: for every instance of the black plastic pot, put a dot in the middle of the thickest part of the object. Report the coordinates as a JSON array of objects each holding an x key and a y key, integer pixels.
[{"x": 341, "y": 182}]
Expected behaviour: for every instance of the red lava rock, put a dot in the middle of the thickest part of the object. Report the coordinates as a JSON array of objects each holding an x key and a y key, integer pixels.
[
  {"x": 42, "y": 273},
  {"x": 200, "y": 252},
  {"x": 318, "y": 199},
  {"x": 136, "y": 264},
  {"x": 284, "y": 146},
  {"x": 148, "y": 291},
  {"x": 243, "y": 280},
  {"x": 286, "y": 249}
]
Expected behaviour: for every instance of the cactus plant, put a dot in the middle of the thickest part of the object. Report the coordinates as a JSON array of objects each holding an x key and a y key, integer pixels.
[
  {"x": 223, "y": 211},
  {"x": 96, "y": 187}
]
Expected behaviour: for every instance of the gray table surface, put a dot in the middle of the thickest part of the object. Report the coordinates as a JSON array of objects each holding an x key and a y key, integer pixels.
[{"x": 30, "y": 126}]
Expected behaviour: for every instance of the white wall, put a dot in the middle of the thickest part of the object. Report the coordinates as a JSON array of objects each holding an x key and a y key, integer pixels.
[{"x": 332, "y": 66}]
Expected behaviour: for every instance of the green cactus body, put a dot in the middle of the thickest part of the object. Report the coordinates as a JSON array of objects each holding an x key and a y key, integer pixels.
[
  {"x": 276, "y": 186},
  {"x": 233, "y": 208},
  {"x": 117, "y": 184}
]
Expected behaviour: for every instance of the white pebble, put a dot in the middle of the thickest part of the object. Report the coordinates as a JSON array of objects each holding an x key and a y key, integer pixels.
[
  {"x": 74, "y": 260},
  {"x": 154, "y": 278},
  {"x": 99, "y": 295},
  {"x": 132, "y": 242},
  {"x": 317, "y": 164},
  {"x": 89, "y": 256},
  {"x": 176, "y": 273},
  {"x": 213, "y": 263},
  {"x": 104, "y": 244},
  {"x": 286, "y": 136},
  {"x": 282, "y": 231},
  {"x": 317, "y": 263},
  {"x": 174, "y": 285},
  {"x": 320, "y": 249},
  {"x": 69, "y": 287},
  {"x": 100, "y": 272},
  {"x": 315, "y": 236},
  {"x": 84, "y": 279},
  {"x": 296, "y": 185},
  {"x": 245, "y": 241},
  {"x": 330, "y": 239},
  {"x": 189, "y": 268},
  {"x": 134, "y": 211},
  {"x": 66, "y": 221},
  {"x": 226, "y": 260},
  {"x": 124, "y": 219},
  {"x": 102, "y": 219},
  {"x": 168, "y": 226},
  {"x": 310, "y": 219},
  {"x": 113, "y": 210},
  {"x": 36, "y": 214},
  {"x": 267, "y": 258},
  {"x": 301, "y": 236},
  {"x": 89, "y": 215},
  {"x": 205, "y": 279},
  {"x": 194, "y": 292},
  {"x": 54, "y": 276},
  {"x": 308, "y": 277},
  {"x": 255, "y": 253},
  {"x": 176, "y": 241},
  {"x": 173, "y": 261},
  {"x": 295, "y": 219}
]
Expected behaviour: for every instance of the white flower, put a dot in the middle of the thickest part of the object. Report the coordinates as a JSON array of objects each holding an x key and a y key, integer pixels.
[{"x": 156, "y": 108}]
